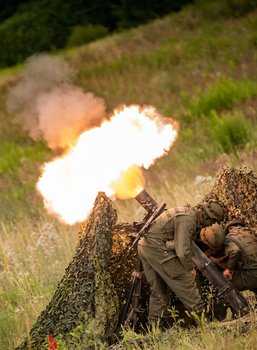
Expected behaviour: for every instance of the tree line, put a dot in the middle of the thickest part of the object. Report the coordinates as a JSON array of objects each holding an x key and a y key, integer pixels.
[{"x": 32, "y": 26}]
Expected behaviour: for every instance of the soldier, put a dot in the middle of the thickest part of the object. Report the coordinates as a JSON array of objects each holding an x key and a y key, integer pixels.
[
  {"x": 167, "y": 257},
  {"x": 240, "y": 247}
]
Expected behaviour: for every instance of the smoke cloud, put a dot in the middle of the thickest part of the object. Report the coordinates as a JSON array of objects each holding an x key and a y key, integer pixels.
[{"x": 49, "y": 107}]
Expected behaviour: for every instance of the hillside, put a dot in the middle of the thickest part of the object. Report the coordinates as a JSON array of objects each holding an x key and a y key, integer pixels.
[{"x": 197, "y": 67}]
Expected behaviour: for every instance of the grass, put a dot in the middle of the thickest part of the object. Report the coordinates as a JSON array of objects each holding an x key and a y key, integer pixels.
[
  {"x": 33, "y": 256},
  {"x": 5, "y": 72},
  {"x": 198, "y": 67},
  {"x": 206, "y": 336},
  {"x": 223, "y": 95},
  {"x": 13, "y": 155}
]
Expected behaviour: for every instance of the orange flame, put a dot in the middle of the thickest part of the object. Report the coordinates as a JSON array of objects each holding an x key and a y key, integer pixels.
[
  {"x": 129, "y": 184},
  {"x": 107, "y": 158}
]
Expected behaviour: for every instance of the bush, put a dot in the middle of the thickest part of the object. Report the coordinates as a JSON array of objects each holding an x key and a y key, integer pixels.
[
  {"x": 223, "y": 95},
  {"x": 84, "y": 34},
  {"x": 21, "y": 36},
  {"x": 230, "y": 131}
]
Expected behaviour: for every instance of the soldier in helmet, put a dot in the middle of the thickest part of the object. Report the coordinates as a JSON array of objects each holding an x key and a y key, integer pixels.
[
  {"x": 167, "y": 257},
  {"x": 240, "y": 246},
  {"x": 213, "y": 236}
]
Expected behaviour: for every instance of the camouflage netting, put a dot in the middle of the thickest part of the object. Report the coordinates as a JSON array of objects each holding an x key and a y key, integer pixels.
[
  {"x": 94, "y": 287},
  {"x": 236, "y": 189},
  {"x": 86, "y": 294}
]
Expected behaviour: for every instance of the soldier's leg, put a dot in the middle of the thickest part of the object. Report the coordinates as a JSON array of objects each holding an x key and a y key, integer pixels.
[
  {"x": 159, "y": 297},
  {"x": 183, "y": 284}
]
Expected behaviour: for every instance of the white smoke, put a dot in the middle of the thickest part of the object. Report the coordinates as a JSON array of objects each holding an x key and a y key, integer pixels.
[{"x": 49, "y": 107}]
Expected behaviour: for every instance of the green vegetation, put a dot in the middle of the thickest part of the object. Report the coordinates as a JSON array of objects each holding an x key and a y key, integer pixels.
[
  {"x": 32, "y": 259},
  {"x": 223, "y": 95},
  {"x": 13, "y": 155},
  {"x": 84, "y": 34},
  {"x": 31, "y": 27},
  {"x": 230, "y": 131},
  {"x": 197, "y": 67}
]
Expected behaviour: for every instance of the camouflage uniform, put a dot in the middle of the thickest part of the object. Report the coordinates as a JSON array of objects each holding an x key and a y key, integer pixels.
[
  {"x": 241, "y": 251},
  {"x": 167, "y": 260}
]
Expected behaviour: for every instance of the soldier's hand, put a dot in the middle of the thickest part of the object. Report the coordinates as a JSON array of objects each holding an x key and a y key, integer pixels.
[
  {"x": 193, "y": 272},
  {"x": 228, "y": 274}
]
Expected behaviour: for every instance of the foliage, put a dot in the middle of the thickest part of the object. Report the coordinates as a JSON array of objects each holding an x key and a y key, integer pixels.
[
  {"x": 32, "y": 258},
  {"x": 22, "y": 35},
  {"x": 8, "y": 8},
  {"x": 83, "y": 34},
  {"x": 46, "y": 25},
  {"x": 17, "y": 158},
  {"x": 12, "y": 155},
  {"x": 223, "y": 95},
  {"x": 132, "y": 14},
  {"x": 230, "y": 131},
  {"x": 240, "y": 335},
  {"x": 53, "y": 23}
]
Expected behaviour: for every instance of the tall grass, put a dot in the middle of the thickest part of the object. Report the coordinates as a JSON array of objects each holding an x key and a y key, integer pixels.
[
  {"x": 238, "y": 336},
  {"x": 230, "y": 131},
  {"x": 223, "y": 95},
  {"x": 13, "y": 155},
  {"x": 33, "y": 256}
]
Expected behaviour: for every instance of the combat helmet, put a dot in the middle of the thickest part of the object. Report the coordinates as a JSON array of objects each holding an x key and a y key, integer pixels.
[
  {"x": 214, "y": 211},
  {"x": 213, "y": 236}
]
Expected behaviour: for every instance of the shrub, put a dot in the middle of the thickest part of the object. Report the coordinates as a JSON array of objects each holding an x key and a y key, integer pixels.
[
  {"x": 21, "y": 36},
  {"x": 223, "y": 95},
  {"x": 83, "y": 34},
  {"x": 230, "y": 131}
]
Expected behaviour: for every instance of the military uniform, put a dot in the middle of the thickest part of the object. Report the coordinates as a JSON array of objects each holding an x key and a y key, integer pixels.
[
  {"x": 241, "y": 251},
  {"x": 167, "y": 259}
]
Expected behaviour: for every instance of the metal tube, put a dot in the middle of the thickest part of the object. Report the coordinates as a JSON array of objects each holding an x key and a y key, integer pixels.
[{"x": 147, "y": 202}]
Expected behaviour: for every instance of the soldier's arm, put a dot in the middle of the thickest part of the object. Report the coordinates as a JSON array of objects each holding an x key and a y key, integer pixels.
[
  {"x": 184, "y": 231},
  {"x": 233, "y": 253}
]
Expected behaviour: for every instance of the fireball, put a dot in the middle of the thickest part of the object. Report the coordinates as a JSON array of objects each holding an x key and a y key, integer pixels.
[{"x": 108, "y": 158}]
